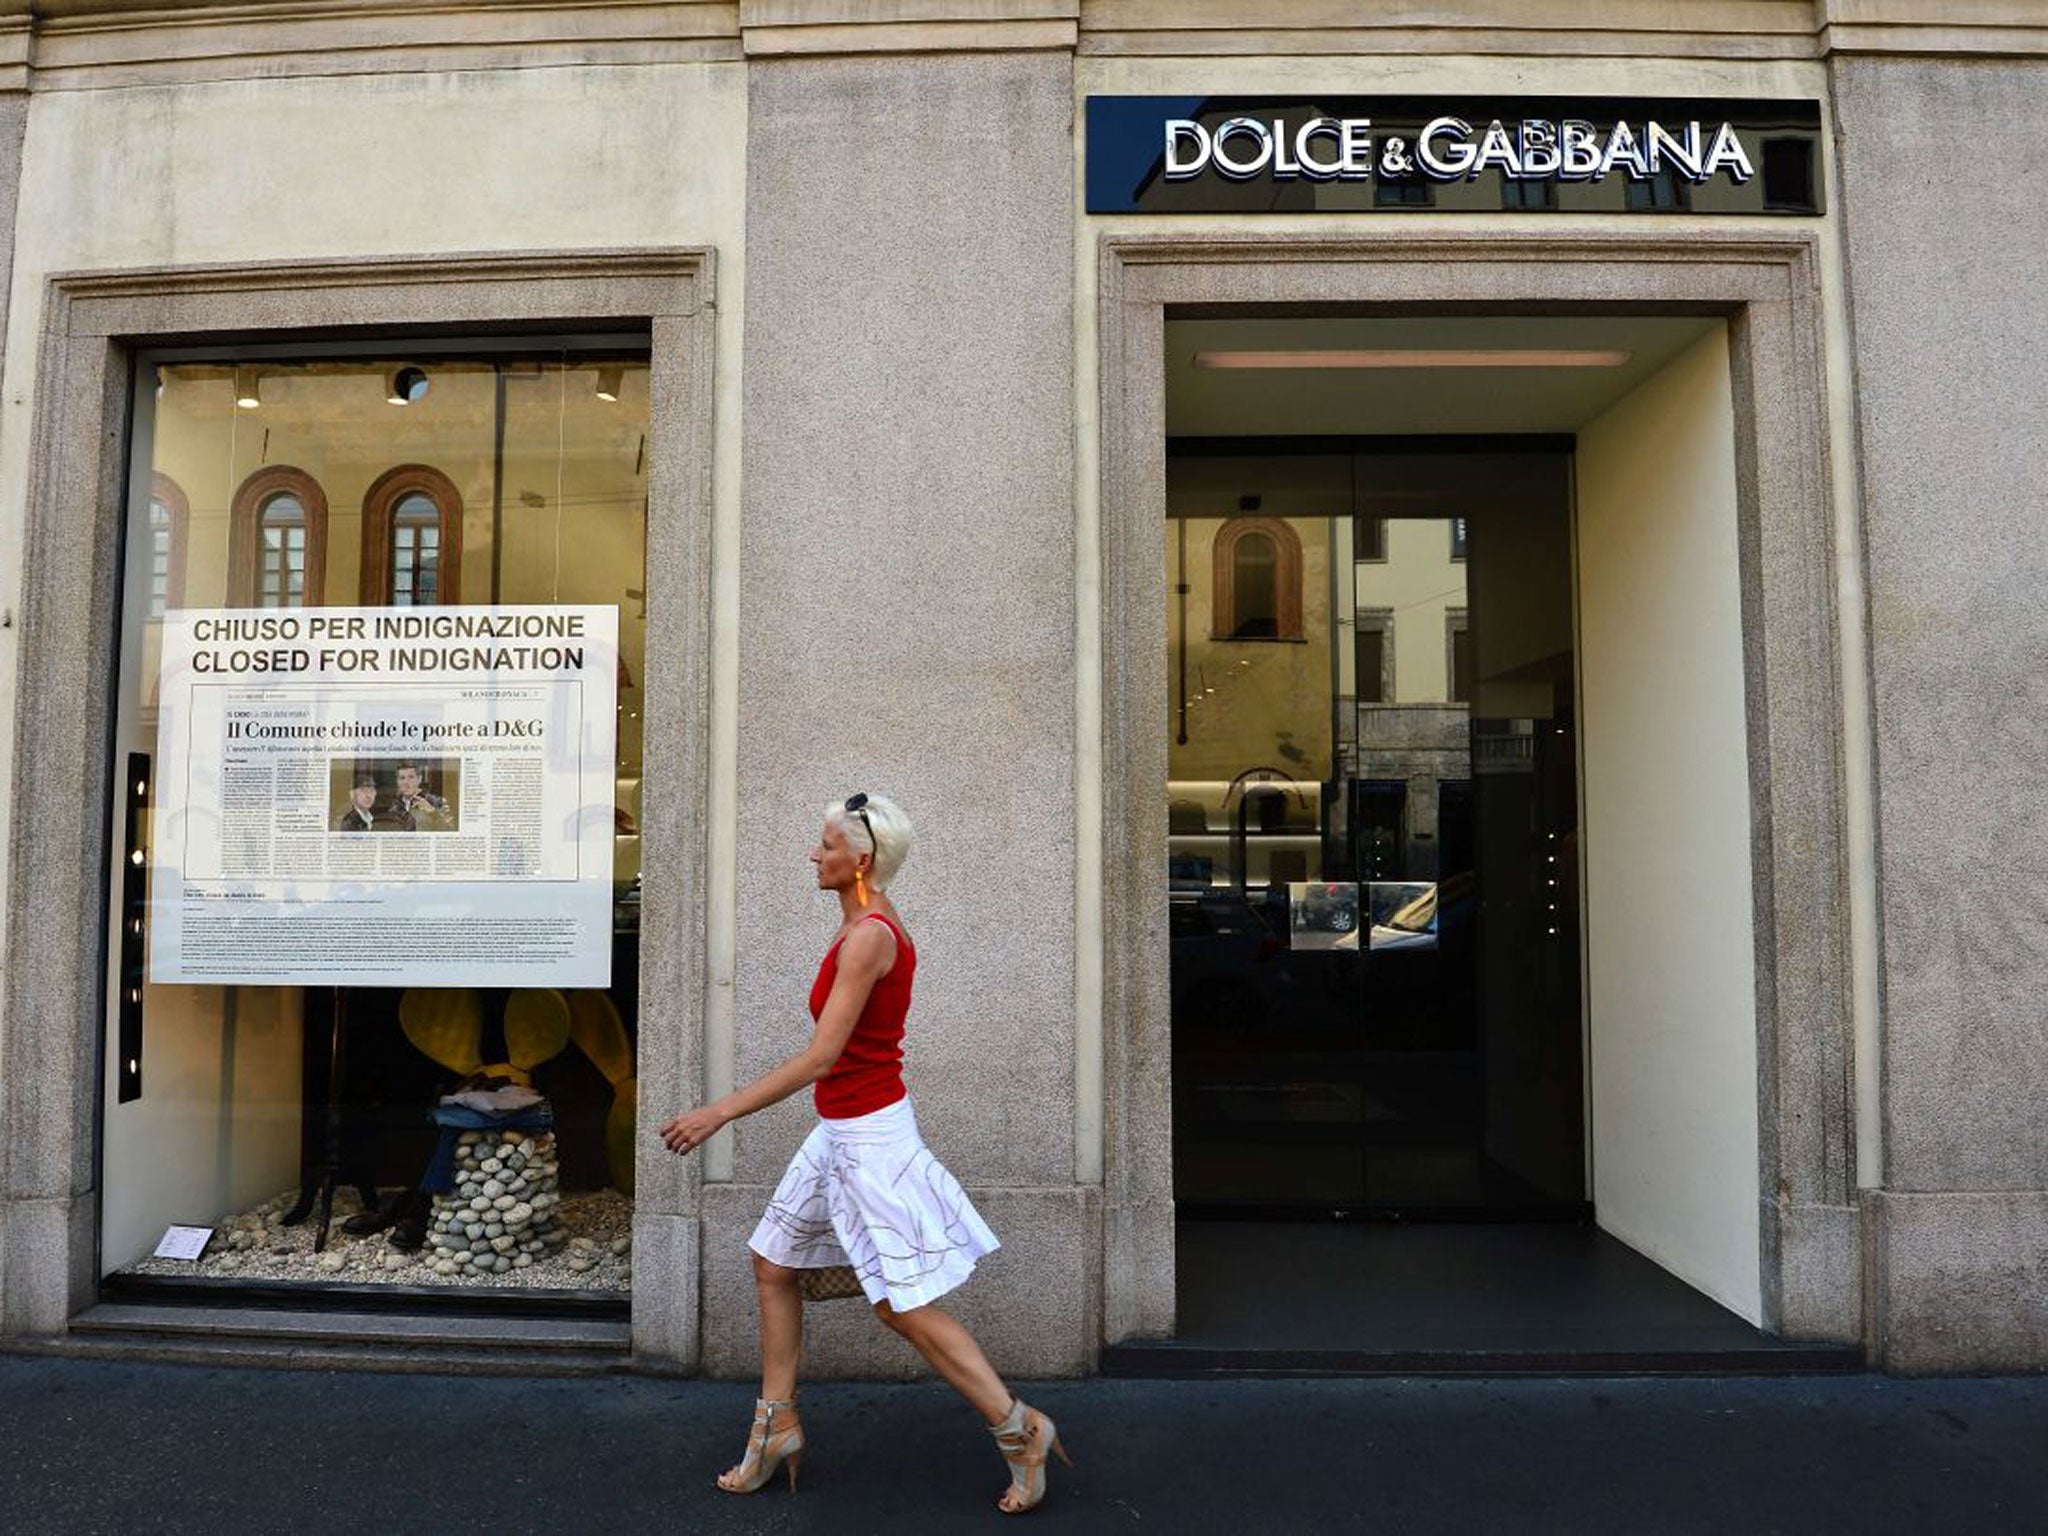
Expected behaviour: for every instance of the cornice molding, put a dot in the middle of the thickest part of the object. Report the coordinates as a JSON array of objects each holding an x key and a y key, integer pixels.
[
  {"x": 786, "y": 28},
  {"x": 1698, "y": 29},
  {"x": 82, "y": 44},
  {"x": 2008, "y": 28},
  {"x": 17, "y": 43},
  {"x": 1740, "y": 29}
]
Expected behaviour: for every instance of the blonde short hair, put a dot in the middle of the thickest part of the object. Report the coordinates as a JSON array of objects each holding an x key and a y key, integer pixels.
[{"x": 892, "y": 834}]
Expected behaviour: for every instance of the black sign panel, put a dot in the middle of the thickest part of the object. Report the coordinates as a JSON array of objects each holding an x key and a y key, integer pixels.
[{"x": 1452, "y": 154}]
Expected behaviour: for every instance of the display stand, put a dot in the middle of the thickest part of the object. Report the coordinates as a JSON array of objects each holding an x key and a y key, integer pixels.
[{"x": 327, "y": 1173}]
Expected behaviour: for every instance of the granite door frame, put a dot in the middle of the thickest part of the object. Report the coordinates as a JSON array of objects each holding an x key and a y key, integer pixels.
[
  {"x": 52, "y": 1029},
  {"x": 1767, "y": 288}
]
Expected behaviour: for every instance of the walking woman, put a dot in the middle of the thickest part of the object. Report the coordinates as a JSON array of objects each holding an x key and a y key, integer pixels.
[{"x": 864, "y": 1190}]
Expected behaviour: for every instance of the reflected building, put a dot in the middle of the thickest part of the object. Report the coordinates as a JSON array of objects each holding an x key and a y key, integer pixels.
[{"x": 1371, "y": 817}]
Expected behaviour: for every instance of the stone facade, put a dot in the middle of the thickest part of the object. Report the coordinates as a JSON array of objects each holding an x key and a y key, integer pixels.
[{"x": 908, "y": 442}]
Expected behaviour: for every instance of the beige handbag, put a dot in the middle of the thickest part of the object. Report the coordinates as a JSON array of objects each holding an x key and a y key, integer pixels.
[{"x": 829, "y": 1283}]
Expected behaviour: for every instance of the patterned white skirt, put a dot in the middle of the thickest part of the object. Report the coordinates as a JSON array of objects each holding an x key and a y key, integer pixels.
[{"x": 867, "y": 1192}]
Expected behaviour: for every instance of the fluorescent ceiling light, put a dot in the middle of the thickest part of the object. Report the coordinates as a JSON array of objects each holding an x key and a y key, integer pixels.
[{"x": 1416, "y": 357}]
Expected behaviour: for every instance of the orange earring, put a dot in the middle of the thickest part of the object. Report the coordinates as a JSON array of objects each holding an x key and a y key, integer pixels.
[{"x": 860, "y": 887}]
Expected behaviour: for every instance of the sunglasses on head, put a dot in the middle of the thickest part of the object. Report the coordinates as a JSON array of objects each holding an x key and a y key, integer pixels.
[{"x": 856, "y": 805}]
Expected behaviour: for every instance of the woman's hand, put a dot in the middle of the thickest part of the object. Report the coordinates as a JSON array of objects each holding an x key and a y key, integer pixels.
[{"x": 691, "y": 1129}]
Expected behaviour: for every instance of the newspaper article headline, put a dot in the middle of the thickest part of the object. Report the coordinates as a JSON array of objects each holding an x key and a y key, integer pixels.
[{"x": 234, "y": 645}]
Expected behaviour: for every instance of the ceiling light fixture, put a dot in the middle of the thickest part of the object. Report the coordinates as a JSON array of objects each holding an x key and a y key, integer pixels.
[
  {"x": 245, "y": 389},
  {"x": 1417, "y": 357},
  {"x": 609, "y": 378}
]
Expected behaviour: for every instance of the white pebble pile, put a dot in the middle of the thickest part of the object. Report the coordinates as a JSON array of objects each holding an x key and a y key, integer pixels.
[
  {"x": 256, "y": 1245},
  {"x": 502, "y": 1213}
]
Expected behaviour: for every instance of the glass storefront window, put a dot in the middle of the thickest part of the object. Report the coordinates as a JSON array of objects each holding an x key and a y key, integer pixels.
[{"x": 468, "y": 479}]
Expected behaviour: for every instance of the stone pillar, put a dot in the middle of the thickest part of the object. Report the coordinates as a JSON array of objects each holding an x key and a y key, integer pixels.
[
  {"x": 907, "y": 627},
  {"x": 14, "y": 44},
  {"x": 46, "y": 1202},
  {"x": 1939, "y": 159}
]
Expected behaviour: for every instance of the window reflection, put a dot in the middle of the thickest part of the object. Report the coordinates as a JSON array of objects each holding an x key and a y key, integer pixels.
[
  {"x": 281, "y": 557},
  {"x": 415, "y": 552},
  {"x": 1258, "y": 614},
  {"x": 1374, "y": 985},
  {"x": 159, "y": 557}
]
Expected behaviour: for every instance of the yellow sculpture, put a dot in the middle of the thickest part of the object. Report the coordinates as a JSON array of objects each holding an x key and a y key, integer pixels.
[
  {"x": 446, "y": 1025},
  {"x": 595, "y": 1026},
  {"x": 536, "y": 1029}
]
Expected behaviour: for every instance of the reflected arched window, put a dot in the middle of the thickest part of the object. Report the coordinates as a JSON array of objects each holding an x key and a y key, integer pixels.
[
  {"x": 1257, "y": 580},
  {"x": 277, "y": 539},
  {"x": 412, "y": 539},
  {"x": 415, "y": 552},
  {"x": 1256, "y": 588},
  {"x": 281, "y": 552},
  {"x": 169, "y": 513}
]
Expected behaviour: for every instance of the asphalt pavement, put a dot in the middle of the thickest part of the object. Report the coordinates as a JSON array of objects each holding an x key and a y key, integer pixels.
[{"x": 107, "y": 1446}]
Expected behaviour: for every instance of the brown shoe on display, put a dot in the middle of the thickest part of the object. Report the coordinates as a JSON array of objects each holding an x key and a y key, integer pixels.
[{"x": 383, "y": 1214}]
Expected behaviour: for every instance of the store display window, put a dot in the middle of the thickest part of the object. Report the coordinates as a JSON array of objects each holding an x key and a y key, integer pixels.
[{"x": 372, "y": 994}]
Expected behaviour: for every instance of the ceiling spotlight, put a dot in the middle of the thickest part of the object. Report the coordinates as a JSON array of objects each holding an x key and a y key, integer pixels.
[
  {"x": 245, "y": 389},
  {"x": 407, "y": 386},
  {"x": 609, "y": 378},
  {"x": 1417, "y": 357}
]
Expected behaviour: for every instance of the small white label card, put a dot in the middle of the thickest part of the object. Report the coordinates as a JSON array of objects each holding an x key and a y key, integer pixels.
[{"x": 183, "y": 1242}]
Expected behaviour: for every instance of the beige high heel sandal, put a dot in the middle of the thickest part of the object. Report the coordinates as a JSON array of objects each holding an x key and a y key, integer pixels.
[
  {"x": 1026, "y": 1437},
  {"x": 777, "y": 1439}
]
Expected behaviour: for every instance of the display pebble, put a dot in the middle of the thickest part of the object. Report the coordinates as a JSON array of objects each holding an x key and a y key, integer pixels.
[{"x": 254, "y": 1245}]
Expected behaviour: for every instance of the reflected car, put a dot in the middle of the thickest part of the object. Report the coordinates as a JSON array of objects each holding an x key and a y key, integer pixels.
[{"x": 1404, "y": 914}]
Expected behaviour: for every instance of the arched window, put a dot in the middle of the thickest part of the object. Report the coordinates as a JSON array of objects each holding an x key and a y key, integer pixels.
[
  {"x": 415, "y": 552},
  {"x": 277, "y": 540},
  {"x": 281, "y": 552},
  {"x": 1255, "y": 587},
  {"x": 412, "y": 539},
  {"x": 1257, "y": 581},
  {"x": 169, "y": 514}
]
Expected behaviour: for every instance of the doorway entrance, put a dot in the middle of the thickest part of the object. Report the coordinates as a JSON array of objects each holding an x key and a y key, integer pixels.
[
  {"x": 1373, "y": 829},
  {"x": 1718, "y": 1147},
  {"x": 1443, "y": 752}
]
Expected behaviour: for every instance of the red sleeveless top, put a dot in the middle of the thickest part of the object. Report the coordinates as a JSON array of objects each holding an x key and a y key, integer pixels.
[{"x": 869, "y": 1072}]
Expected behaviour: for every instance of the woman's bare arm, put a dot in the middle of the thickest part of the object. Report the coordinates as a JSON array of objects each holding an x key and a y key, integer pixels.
[{"x": 865, "y": 957}]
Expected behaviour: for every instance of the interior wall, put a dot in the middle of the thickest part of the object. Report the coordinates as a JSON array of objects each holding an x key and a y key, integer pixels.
[
  {"x": 1670, "y": 970},
  {"x": 217, "y": 1130}
]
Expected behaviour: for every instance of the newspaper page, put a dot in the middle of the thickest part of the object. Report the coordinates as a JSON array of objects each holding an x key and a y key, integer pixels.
[{"x": 385, "y": 797}]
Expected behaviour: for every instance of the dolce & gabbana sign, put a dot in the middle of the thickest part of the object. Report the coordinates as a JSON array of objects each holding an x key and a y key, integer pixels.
[{"x": 1165, "y": 154}]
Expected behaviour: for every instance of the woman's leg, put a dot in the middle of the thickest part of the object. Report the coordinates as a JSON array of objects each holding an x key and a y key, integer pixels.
[
  {"x": 782, "y": 1328},
  {"x": 1024, "y": 1435},
  {"x": 777, "y": 1437},
  {"x": 951, "y": 1351}
]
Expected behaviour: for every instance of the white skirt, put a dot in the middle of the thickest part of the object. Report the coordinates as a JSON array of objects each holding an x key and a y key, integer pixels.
[{"x": 867, "y": 1192}]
